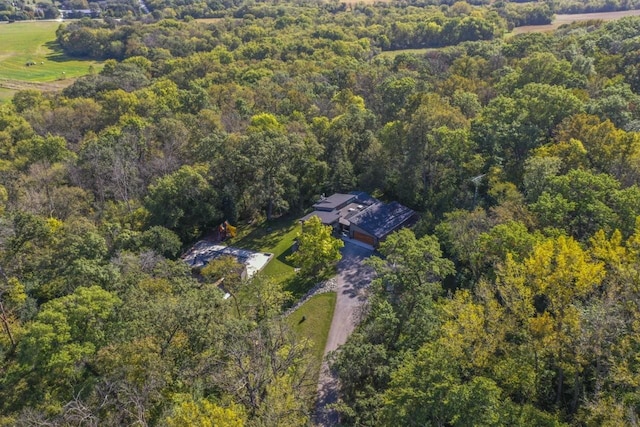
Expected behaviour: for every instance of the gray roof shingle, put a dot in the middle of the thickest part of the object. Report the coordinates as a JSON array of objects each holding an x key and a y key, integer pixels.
[
  {"x": 334, "y": 201},
  {"x": 380, "y": 219},
  {"x": 327, "y": 218}
]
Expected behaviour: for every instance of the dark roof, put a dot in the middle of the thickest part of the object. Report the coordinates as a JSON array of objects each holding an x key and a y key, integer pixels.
[
  {"x": 334, "y": 201},
  {"x": 380, "y": 219},
  {"x": 327, "y": 218},
  {"x": 364, "y": 198}
]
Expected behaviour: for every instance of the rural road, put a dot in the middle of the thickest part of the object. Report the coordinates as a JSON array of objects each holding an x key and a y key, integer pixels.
[{"x": 353, "y": 278}]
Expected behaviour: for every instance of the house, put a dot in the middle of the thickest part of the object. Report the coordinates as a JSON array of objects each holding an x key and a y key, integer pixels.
[
  {"x": 361, "y": 217},
  {"x": 336, "y": 209}
]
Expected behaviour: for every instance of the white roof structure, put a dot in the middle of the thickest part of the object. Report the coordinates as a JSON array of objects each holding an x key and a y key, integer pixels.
[{"x": 203, "y": 252}]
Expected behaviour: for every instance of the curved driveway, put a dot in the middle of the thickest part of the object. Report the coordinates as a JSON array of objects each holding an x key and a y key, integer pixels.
[{"x": 353, "y": 278}]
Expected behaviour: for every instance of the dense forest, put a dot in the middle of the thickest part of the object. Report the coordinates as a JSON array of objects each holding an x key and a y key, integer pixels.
[
  {"x": 515, "y": 300},
  {"x": 517, "y": 12}
]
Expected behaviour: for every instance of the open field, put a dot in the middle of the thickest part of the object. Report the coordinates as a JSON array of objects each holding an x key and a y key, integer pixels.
[
  {"x": 578, "y": 17},
  {"x": 24, "y": 42}
]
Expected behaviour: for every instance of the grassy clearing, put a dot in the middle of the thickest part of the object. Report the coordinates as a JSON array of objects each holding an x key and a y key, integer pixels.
[
  {"x": 562, "y": 19},
  {"x": 210, "y": 20},
  {"x": 276, "y": 237},
  {"x": 318, "y": 313},
  {"x": 24, "y": 42},
  {"x": 393, "y": 53}
]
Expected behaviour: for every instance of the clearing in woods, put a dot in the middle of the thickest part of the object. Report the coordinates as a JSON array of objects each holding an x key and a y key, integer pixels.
[
  {"x": 35, "y": 43},
  {"x": 559, "y": 20}
]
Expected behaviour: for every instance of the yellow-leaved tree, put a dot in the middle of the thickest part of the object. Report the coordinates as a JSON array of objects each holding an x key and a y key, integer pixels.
[
  {"x": 318, "y": 251},
  {"x": 544, "y": 295},
  {"x": 203, "y": 413}
]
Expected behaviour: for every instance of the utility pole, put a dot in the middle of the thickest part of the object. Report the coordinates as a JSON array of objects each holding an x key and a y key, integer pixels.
[{"x": 477, "y": 180}]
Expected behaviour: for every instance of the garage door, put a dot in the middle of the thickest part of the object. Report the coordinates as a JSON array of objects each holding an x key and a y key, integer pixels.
[{"x": 365, "y": 238}]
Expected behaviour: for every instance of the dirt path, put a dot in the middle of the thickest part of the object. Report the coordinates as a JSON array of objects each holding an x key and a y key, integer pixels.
[{"x": 353, "y": 278}]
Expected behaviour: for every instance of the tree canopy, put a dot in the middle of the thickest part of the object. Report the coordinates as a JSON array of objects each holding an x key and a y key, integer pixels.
[{"x": 514, "y": 300}]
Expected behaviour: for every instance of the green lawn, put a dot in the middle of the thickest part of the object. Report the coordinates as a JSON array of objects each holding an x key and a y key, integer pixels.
[
  {"x": 318, "y": 313},
  {"x": 35, "y": 41},
  {"x": 277, "y": 238}
]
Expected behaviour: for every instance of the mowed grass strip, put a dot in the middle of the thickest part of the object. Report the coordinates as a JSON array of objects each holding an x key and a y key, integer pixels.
[
  {"x": 317, "y": 313},
  {"x": 23, "y": 42}
]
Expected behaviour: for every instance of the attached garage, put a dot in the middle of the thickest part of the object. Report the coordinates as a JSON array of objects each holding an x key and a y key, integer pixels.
[
  {"x": 364, "y": 238},
  {"x": 373, "y": 224}
]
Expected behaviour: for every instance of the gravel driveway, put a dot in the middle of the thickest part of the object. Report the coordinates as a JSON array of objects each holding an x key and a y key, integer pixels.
[{"x": 353, "y": 278}]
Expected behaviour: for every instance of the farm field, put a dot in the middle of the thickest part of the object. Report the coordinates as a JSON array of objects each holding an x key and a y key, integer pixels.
[
  {"x": 34, "y": 42},
  {"x": 578, "y": 17}
]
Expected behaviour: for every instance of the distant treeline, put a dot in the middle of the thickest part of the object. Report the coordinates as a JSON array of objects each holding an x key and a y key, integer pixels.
[
  {"x": 276, "y": 36},
  {"x": 593, "y": 6},
  {"x": 19, "y": 10},
  {"x": 516, "y": 12}
]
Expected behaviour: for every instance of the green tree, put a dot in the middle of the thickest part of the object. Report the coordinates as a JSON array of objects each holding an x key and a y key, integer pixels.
[
  {"x": 12, "y": 298},
  {"x": 582, "y": 202},
  {"x": 427, "y": 391},
  {"x": 267, "y": 154},
  {"x": 60, "y": 344},
  {"x": 409, "y": 279},
  {"x": 184, "y": 202},
  {"x": 229, "y": 271},
  {"x": 318, "y": 251},
  {"x": 510, "y": 126},
  {"x": 162, "y": 240},
  {"x": 401, "y": 316}
]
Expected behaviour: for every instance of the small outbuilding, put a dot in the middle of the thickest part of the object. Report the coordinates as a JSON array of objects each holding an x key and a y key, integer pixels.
[{"x": 203, "y": 252}]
